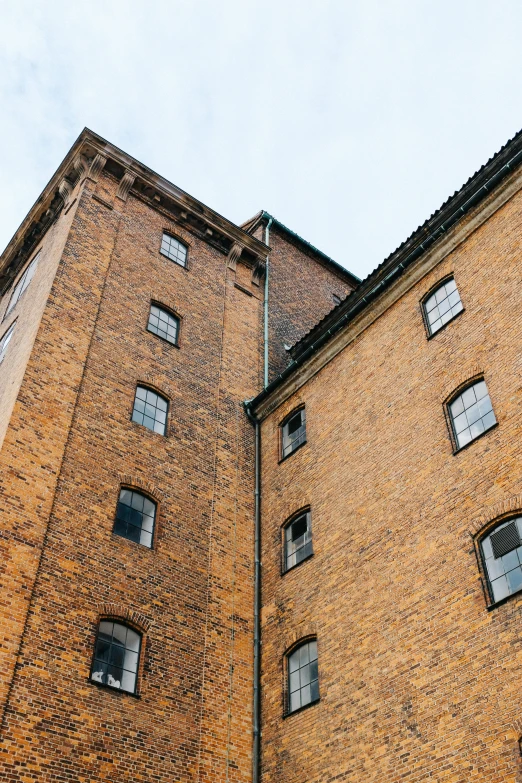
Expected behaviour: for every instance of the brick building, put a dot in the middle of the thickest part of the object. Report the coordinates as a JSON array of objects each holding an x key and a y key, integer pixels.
[{"x": 379, "y": 486}]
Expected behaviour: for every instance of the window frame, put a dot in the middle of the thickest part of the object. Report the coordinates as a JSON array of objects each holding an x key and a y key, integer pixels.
[
  {"x": 287, "y": 712},
  {"x": 456, "y": 448},
  {"x": 10, "y": 329},
  {"x": 149, "y": 387},
  {"x": 34, "y": 260},
  {"x": 306, "y": 510},
  {"x": 299, "y": 409},
  {"x": 148, "y": 496},
  {"x": 183, "y": 242},
  {"x": 173, "y": 314},
  {"x": 137, "y": 680},
  {"x": 433, "y": 290},
  {"x": 491, "y": 603}
]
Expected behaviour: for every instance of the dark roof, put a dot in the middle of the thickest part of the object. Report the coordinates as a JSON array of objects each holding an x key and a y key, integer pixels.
[
  {"x": 473, "y": 192},
  {"x": 250, "y": 226}
]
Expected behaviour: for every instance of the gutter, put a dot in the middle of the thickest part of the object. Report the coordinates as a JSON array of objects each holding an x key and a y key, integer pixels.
[
  {"x": 256, "y": 705},
  {"x": 364, "y": 300},
  {"x": 265, "y": 303}
]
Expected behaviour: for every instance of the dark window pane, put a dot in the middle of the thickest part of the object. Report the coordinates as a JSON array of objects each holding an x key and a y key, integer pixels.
[
  {"x": 131, "y": 522},
  {"x": 116, "y": 657}
]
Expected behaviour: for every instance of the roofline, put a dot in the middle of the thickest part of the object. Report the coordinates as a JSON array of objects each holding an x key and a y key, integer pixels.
[
  {"x": 478, "y": 187},
  {"x": 341, "y": 271},
  {"x": 77, "y": 164}
]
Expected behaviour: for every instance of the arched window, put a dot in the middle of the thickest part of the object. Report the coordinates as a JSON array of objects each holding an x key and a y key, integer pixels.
[
  {"x": 441, "y": 306},
  {"x": 135, "y": 517},
  {"x": 471, "y": 413},
  {"x": 297, "y": 539},
  {"x": 174, "y": 249},
  {"x": 22, "y": 284},
  {"x": 163, "y": 323},
  {"x": 502, "y": 556},
  {"x": 293, "y": 432},
  {"x": 303, "y": 676},
  {"x": 150, "y": 409},
  {"x": 116, "y": 656}
]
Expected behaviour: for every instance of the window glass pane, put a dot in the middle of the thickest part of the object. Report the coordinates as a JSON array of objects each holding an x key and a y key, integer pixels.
[
  {"x": 442, "y": 306},
  {"x": 294, "y": 432},
  {"x": 174, "y": 249},
  {"x": 470, "y": 417},
  {"x": 116, "y": 656},
  {"x": 150, "y": 410},
  {"x": 131, "y": 520},
  {"x": 164, "y": 324},
  {"x": 22, "y": 284},
  {"x": 303, "y": 675},
  {"x": 6, "y": 339}
]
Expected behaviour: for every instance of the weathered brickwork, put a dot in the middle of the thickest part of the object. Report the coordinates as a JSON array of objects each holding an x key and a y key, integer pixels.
[
  {"x": 416, "y": 675},
  {"x": 69, "y": 447}
]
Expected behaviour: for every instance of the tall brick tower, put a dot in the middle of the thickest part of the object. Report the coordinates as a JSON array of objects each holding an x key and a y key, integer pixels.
[{"x": 133, "y": 330}]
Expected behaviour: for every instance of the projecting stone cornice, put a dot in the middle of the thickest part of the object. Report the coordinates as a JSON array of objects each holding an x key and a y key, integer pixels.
[{"x": 91, "y": 155}]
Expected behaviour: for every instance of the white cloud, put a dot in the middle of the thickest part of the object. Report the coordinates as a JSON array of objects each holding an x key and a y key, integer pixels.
[{"x": 350, "y": 120}]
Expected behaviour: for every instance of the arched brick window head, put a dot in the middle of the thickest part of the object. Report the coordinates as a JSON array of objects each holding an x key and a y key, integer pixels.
[
  {"x": 303, "y": 676},
  {"x": 116, "y": 656}
]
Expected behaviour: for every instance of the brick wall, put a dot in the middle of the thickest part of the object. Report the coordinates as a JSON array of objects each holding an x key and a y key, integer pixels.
[
  {"x": 416, "y": 676},
  {"x": 70, "y": 446}
]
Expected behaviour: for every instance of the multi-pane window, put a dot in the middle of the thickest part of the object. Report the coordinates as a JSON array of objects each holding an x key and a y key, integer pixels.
[
  {"x": 471, "y": 414},
  {"x": 443, "y": 305},
  {"x": 164, "y": 324},
  {"x": 502, "y": 553},
  {"x": 298, "y": 540},
  {"x": 22, "y": 284},
  {"x": 303, "y": 676},
  {"x": 4, "y": 342},
  {"x": 150, "y": 409},
  {"x": 116, "y": 656},
  {"x": 135, "y": 515},
  {"x": 293, "y": 432},
  {"x": 174, "y": 249}
]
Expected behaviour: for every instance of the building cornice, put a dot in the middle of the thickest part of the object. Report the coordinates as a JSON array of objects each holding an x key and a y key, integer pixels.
[
  {"x": 495, "y": 184},
  {"x": 87, "y": 158}
]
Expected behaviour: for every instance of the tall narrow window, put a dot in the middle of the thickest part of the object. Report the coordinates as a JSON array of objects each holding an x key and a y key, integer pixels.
[
  {"x": 150, "y": 409},
  {"x": 22, "y": 284},
  {"x": 303, "y": 676},
  {"x": 471, "y": 414},
  {"x": 293, "y": 432},
  {"x": 135, "y": 516},
  {"x": 443, "y": 305},
  {"x": 502, "y": 554},
  {"x": 298, "y": 540},
  {"x": 5, "y": 340},
  {"x": 116, "y": 656},
  {"x": 164, "y": 324},
  {"x": 174, "y": 249}
]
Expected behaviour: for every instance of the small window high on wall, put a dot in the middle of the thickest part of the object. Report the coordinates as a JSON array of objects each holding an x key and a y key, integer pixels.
[
  {"x": 22, "y": 284},
  {"x": 293, "y": 432},
  {"x": 116, "y": 656},
  {"x": 303, "y": 676}
]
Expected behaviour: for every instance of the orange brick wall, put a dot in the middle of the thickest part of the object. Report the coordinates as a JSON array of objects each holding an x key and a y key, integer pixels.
[
  {"x": 417, "y": 678},
  {"x": 69, "y": 446}
]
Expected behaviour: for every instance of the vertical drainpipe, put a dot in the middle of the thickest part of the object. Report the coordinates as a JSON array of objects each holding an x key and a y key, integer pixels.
[{"x": 267, "y": 242}]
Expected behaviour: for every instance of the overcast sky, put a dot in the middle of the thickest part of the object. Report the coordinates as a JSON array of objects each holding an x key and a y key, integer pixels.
[{"x": 351, "y": 121}]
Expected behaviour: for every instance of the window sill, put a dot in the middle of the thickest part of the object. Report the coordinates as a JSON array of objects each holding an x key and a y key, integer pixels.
[
  {"x": 287, "y": 456},
  {"x": 471, "y": 442},
  {"x": 431, "y": 336},
  {"x": 292, "y": 568},
  {"x": 111, "y": 688},
  {"x": 301, "y": 709},
  {"x": 495, "y": 605}
]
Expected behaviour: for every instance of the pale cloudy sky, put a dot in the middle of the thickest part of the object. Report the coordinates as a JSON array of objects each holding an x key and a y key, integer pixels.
[{"x": 351, "y": 121}]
